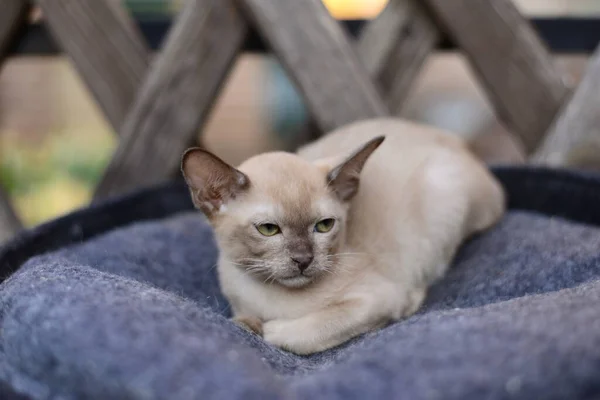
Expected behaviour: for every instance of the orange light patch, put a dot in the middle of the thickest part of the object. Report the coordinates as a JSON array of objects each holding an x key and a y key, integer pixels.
[{"x": 355, "y": 9}]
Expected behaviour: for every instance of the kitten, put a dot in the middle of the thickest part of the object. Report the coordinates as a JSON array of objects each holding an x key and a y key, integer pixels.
[{"x": 310, "y": 259}]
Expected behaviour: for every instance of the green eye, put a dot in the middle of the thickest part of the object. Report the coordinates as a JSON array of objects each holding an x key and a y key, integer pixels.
[
  {"x": 324, "y": 225},
  {"x": 268, "y": 229}
]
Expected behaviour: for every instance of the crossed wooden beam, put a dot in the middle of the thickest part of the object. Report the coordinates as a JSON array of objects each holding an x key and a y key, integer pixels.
[
  {"x": 159, "y": 107},
  {"x": 13, "y": 17}
]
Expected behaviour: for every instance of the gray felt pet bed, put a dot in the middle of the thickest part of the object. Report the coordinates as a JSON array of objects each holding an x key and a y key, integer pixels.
[{"x": 121, "y": 301}]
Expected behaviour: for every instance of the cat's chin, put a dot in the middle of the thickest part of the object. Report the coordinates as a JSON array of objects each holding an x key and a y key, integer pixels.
[{"x": 296, "y": 282}]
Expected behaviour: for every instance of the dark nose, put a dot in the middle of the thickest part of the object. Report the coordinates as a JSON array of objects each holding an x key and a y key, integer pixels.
[{"x": 302, "y": 261}]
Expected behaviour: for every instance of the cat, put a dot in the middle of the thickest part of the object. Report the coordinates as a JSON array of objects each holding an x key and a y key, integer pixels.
[{"x": 346, "y": 235}]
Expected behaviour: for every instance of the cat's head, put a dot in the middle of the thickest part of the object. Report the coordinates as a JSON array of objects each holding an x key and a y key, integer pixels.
[{"x": 277, "y": 216}]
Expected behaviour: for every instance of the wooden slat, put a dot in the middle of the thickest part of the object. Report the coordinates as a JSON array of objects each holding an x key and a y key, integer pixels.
[
  {"x": 9, "y": 223},
  {"x": 106, "y": 49},
  {"x": 394, "y": 47},
  {"x": 13, "y": 16},
  {"x": 514, "y": 66},
  {"x": 574, "y": 139},
  {"x": 319, "y": 58},
  {"x": 175, "y": 99}
]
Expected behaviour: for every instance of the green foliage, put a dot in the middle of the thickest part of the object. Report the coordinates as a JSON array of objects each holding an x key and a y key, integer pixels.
[
  {"x": 80, "y": 162},
  {"x": 53, "y": 177},
  {"x": 19, "y": 173},
  {"x": 23, "y": 167}
]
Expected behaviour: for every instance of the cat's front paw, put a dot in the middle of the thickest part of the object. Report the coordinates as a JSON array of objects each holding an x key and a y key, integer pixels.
[
  {"x": 287, "y": 336},
  {"x": 414, "y": 300}
]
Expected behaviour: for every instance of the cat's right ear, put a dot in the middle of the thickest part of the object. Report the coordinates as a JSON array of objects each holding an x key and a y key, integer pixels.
[
  {"x": 212, "y": 182},
  {"x": 344, "y": 178}
]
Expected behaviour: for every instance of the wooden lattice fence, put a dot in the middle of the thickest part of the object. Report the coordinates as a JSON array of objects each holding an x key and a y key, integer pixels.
[{"x": 158, "y": 107}]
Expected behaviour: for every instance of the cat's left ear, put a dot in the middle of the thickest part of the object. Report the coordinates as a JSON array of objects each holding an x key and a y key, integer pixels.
[
  {"x": 212, "y": 182},
  {"x": 344, "y": 178}
]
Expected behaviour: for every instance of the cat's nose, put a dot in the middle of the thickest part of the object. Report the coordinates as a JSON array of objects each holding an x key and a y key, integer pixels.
[{"x": 302, "y": 261}]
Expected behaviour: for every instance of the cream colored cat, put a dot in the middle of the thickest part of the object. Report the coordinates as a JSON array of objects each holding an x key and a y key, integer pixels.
[{"x": 310, "y": 259}]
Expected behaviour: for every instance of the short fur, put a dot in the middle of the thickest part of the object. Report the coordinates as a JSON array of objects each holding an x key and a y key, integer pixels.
[{"x": 421, "y": 193}]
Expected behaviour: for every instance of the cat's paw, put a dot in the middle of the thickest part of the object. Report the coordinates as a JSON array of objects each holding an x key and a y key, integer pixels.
[
  {"x": 251, "y": 324},
  {"x": 414, "y": 300},
  {"x": 286, "y": 335},
  {"x": 275, "y": 332}
]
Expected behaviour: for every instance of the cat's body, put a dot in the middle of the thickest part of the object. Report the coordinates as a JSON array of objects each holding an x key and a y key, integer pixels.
[{"x": 421, "y": 194}]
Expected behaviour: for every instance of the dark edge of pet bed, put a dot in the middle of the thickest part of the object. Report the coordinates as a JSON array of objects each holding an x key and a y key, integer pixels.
[{"x": 562, "y": 193}]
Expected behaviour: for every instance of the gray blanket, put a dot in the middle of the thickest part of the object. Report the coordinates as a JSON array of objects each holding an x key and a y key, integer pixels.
[{"x": 136, "y": 313}]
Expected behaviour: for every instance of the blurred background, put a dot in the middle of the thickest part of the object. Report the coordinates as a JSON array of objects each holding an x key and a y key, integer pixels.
[{"x": 54, "y": 141}]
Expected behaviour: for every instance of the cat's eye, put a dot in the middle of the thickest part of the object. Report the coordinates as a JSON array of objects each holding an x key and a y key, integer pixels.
[
  {"x": 324, "y": 225},
  {"x": 268, "y": 229}
]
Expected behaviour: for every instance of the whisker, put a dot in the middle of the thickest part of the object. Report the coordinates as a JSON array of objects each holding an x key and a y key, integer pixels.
[
  {"x": 270, "y": 279},
  {"x": 211, "y": 268},
  {"x": 245, "y": 265},
  {"x": 349, "y": 253},
  {"x": 251, "y": 259},
  {"x": 338, "y": 268}
]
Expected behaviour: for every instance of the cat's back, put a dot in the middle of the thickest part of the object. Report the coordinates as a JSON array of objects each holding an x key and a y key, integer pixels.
[
  {"x": 420, "y": 190},
  {"x": 402, "y": 138},
  {"x": 410, "y": 151}
]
